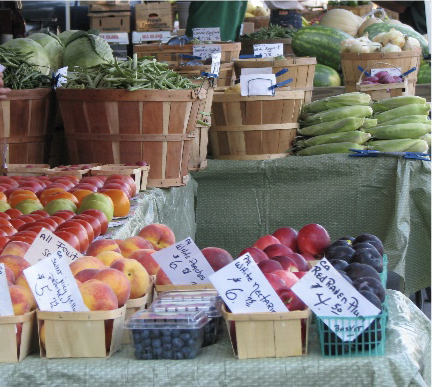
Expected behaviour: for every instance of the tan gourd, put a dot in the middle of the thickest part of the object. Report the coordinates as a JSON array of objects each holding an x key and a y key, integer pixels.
[{"x": 342, "y": 20}]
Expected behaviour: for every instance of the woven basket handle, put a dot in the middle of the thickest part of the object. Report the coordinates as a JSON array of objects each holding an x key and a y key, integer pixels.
[{"x": 373, "y": 64}]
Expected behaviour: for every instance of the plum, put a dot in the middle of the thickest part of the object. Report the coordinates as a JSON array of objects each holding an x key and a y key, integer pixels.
[
  {"x": 341, "y": 252},
  {"x": 346, "y": 278},
  {"x": 369, "y": 257},
  {"x": 358, "y": 270},
  {"x": 364, "y": 245},
  {"x": 347, "y": 238},
  {"x": 372, "y": 239},
  {"x": 371, "y": 285},
  {"x": 338, "y": 264}
]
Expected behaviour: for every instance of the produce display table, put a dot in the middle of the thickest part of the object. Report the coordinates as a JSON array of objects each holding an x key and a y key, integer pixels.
[
  {"x": 239, "y": 201},
  {"x": 406, "y": 363}
]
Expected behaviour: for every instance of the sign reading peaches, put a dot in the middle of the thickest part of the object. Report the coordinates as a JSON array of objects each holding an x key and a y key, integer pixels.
[
  {"x": 6, "y": 308},
  {"x": 46, "y": 244},
  {"x": 54, "y": 286},
  {"x": 184, "y": 264},
  {"x": 245, "y": 289}
]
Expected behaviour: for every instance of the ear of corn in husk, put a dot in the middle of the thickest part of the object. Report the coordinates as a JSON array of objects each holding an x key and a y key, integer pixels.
[
  {"x": 427, "y": 138},
  {"x": 369, "y": 123},
  {"x": 399, "y": 131},
  {"x": 358, "y": 111},
  {"x": 405, "y": 145},
  {"x": 337, "y": 101},
  {"x": 402, "y": 111},
  {"x": 419, "y": 119},
  {"x": 395, "y": 102},
  {"x": 341, "y": 147},
  {"x": 345, "y": 125},
  {"x": 355, "y": 136}
]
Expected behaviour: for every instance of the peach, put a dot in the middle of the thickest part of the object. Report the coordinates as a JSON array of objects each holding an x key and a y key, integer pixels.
[
  {"x": 20, "y": 299},
  {"x": 86, "y": 275},
  {"x": 143, "y": 256},
  {"x": 98, "y": 295},
  {"x": 265, "y": 241},
  {"x": 97, "y": 247},
  {"x": 86, "y": 262},
  {"x": 108, "y": 257},
  {"x": 216, "y": 257},
  {"x": 118, "y": 282},
  {"x": 159, "y": 235},
  {"x": 136, "y": 274},
  {"x": 256, "y": 254},
  {"x": 277, "y": 249},
  {"x": 15, "y": 263},
  {"x": 162, "y": 278},
  {"x": 22, "y": 281},
  {"x": 10, "y": 276},
  {"x": 17, "y": 248},
  {"x": 129, "y": 245}
]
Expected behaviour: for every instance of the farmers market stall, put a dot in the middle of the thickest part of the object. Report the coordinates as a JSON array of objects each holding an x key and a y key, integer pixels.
[
  {"x": 407, "y": 362},
  {"x": 386, "y": 196}
]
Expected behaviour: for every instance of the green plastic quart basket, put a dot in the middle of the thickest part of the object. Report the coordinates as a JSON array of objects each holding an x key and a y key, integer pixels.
[{"x": 369, "y": 343}]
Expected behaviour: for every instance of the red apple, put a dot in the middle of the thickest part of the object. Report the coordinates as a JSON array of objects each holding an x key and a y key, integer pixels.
[
  {"x": 65, "y": 214},
  {"x": 41, "y": 212},
  {"x": 13, "y": 213},
  {"x": 47, "y": 222},
  {"x": 17, "y": 223},
  {"x": 90, "y": 187},
  {"x": 68, "y": 238},
  {"x": 59, "y": 220},
  {"x": 288, "y": 237},
  {"x": 3, "y": 215},
  {"x": 94, "y": 222},
  {"x": 99, "y": 215},
  {"x": 313, "y": 239},
  {"x": 92, "y": 180},
  {"x": 256, "y": 254},
  {"x": 299, "y": 260},
  {"x": 4, "y": 240},
  {"x": 122, "y": 187},
  {"x": 87, "y": 226}
]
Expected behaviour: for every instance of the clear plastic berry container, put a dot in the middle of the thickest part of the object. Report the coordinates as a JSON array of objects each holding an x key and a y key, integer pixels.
[{"x": 166, "y": 335}]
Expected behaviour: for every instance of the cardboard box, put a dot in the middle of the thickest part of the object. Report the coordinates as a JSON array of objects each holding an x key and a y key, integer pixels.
[
  {"x": 154, "y": 16},
  {"x": 248, "y": 28},
  {"x": 109, "y": 8},
  {"x": 110, "y": 21}
]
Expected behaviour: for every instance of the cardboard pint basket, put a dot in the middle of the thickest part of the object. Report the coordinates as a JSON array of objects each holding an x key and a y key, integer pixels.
[
  {"x": 16, "y": 334},
  {"x": 260, "y": 335},
  {"x": 80, "y": 334}
]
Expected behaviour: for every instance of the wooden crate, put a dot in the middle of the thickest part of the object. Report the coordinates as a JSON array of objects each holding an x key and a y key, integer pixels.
[
  {"x": 139, "y": 174},
  {"x": 248, "y": 49},
  {"x": 261, "y": 335},
  {"x": 81, "y": 334},
  {"x": 154, "y": 16},
  {"x": 404, "y": 60},
  {"x": 123, "y": 127},
  {"x": 171, "y": 53},
  {"x": 25, "y": 170},
  {"x": 226, "y": 73},
  {"x": 301, "y": 70},
  {"x": 80, "y": 173},
  {"x": 26, "y": 125},
  {"x": 359, "y": 10},
  {"x": 379, "y": 92},
  {"x": 256, "y": 127},
  {"x": 14, "y": 349}
]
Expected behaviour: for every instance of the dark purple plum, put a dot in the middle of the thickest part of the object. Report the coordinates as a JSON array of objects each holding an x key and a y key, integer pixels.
[
  {"x": 369, "y": 257},
  {"x": 371, "y": 285},
  {"x": 339, "y": 264},
  {"x": 359, "y": 270},
  {"x": 341, "y": 252},
  {"x": 372, "y": 239}
]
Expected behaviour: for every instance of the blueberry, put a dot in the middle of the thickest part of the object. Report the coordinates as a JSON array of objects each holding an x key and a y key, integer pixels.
[
  {"x": 166, "y": 332},
  {"x": 154, "y": 333},
  {"x": 191, "y": 343},
  {"x": 188, "y": 353},
  {"x": 175, "y": 333},
  {"x": 194, "y": 333},
  {"x": 168, "y": 355},
  {"x": 178, "y": 355},
  {"x": 177, "y": 343},
  {"x": 157, "y": 351},
  {"x": 146, "y": 343},
  {"x": 147, "y": 356},
  {"x": 145, "y": 333},
  {"x": 167, "y": 347},
  {"x": 138, "y": 347},
  {"x": 166, "y": 340},
  {"x": 185, "y": 336},
  {"x": 136, "y": 335},
  {"x": 156, "y": 343}
]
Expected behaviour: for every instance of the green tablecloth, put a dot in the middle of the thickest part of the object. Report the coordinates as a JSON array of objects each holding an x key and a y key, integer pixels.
[
  {"x": 239, "y": 201},
  {"x": 406, "y": 363}
]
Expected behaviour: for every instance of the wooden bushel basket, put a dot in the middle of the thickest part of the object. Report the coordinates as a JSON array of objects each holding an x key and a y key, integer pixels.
[
  {"x": 9, "y": 351},
  {"x": 404, "y": 60},
  {"x": 81, "y": 334},
  {"x": 256, "y": 127},
  {"x": 248, "y": 49},
  {"x": 121, "y": 127},
  {"x": 261, "y": 335},
  {"x": 301, "y": 70},
  {"x": 358, "y": 10},
  {"x": 26, "y": 124},
  {"x": 226, "y": 73}
]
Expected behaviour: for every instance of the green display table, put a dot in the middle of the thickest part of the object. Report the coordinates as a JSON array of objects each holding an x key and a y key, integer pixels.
[
  {"x": 239, "y": 201},
  {"x": 406, "y": 363}
]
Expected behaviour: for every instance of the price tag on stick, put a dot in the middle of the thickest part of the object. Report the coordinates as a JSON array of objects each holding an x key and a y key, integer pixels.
[
  {"x": 6, "y": 307},
  {"x": 328, "y": 294},
  {"x": 245, "y": 289},
  {"x": 216, "y": 61},
  {"x": 207, "y": 34},
  {"x": 47, "y": 244},
  {"x": 53, "y": 285},
  {"x": 184, "y": 264},
  {"x": 268, "y": 50}
]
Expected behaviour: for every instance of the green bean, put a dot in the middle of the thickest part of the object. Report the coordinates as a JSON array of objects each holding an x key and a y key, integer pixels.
[{"x": 273, "y": 31}]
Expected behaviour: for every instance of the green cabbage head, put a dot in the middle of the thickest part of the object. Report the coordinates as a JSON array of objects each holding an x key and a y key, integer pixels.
[
  {"x": 65, "y": 35},
  {"x": 53, "y": 47}
]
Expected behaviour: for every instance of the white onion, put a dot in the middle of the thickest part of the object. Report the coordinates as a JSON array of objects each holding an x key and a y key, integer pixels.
[
  {"x": 410, "y": 44},
  {"x": 396, "y": 37},
  {"x": 359, "y": 48},
  {"x": 345, "y": 45},
  {"x": 364, "y": 39},
  {"x": 374, "y": 47},
  {"x": 389, "y": 47}
]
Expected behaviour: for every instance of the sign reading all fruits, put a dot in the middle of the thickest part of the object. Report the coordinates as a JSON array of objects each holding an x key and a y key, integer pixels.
[
  {"x": 54, "y": 286},
  {"x": 6, "y": 308},
  {"x": 184, "y": 264},
  {"x": 328, "y": 294},
  {"x": 46, "y": 244},
  {"x": 245, "y": 289}
]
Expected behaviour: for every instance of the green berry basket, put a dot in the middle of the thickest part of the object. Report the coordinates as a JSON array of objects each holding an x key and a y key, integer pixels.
[{"x": 383, "y": 275}]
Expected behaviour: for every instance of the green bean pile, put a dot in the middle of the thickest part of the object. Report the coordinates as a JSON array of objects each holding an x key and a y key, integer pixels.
[
  {"x": 20, "y": 75},
  {"x": 273, "y": 31},
  {"x": 131, "y": 74}
]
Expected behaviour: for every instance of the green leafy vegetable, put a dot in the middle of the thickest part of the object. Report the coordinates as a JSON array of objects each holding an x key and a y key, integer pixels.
[
  {"x": 273, "y": 31},
  {"x": 52, "y": 45}
]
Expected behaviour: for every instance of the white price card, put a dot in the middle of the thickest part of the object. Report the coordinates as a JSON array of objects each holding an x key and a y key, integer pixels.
[
  {"x": 138, "y": 37},
  {"x": 207, "y": 34},
  {"x": 47, "y": 244},
  {"x": 53, "y": 285},
  {"x": 245, "y": 289},
  {"x": 205, "y": 51},
  {"x": 394, "y": 71},
  {"x": 2, "y": 68},
  {"x": 62, "y": 73},
  {"x": 259, "y": 70},
  {"x": 257, "y": 84},
  {"x": 215, "y": 66},
  {"x": 328, "y": 294},
  {"x": 184, "y": 264},
  {"x": 268, "y": 50},
  {"x": 115, "y": 37},
  {"x": 6, "y": 307}
]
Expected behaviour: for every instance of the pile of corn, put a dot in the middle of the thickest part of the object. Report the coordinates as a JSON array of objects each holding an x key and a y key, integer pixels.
[{"x": 349, "y": 121}]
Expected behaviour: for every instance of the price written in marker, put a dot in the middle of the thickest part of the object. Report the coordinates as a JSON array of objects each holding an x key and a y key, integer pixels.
[
  {"x": 328, "y": 294},
  {"x": 268, "y": 50},
  {"x": 215, "y": 66},
  {"x": 257, "y": 84},
  {"x": 207, "y": 34},
  {"x": 53, "y": 285},
  {"x": 6, "y": 307},
  {"x": 206, "y": 50},
  {"x": 47, "y": 244},
  {"x": 245, "y": 289},
  {"x": 184, "y": 264}
]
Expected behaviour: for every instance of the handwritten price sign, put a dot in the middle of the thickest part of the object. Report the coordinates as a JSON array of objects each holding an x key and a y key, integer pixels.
[
  {"x": 328, "y": 294},
  {"x": 207, "y": 34},
  {"x": 206, "y": 50},
  {"x": 245, "y": 289},
  {"x": 6, "y": 308},
  {"x": 268, "y": 50},
  {"x": 184, "y": 264}
]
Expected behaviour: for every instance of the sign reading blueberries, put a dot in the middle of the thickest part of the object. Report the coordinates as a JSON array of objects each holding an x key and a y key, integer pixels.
[
  {"x": 183, "y": 263},
  {"x": 245, "y": 289},
  {"x": 53, "y": 285},
  {"x": 268, "y": 50},
  {"x": 6, "y": 308},
  {"x": 207, "y": 34},
  {"x": 328, "y": 294},
  {"x": 206, "y": 50},
  {"x": 46, "y": 244}
]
